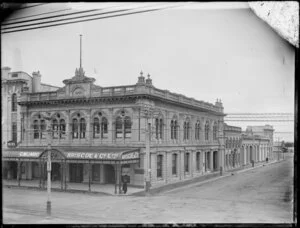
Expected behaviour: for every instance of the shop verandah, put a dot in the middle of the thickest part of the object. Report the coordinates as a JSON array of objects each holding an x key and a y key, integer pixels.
[{"x": 99, "y": 171}]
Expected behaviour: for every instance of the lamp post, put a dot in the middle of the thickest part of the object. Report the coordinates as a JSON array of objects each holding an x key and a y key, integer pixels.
[{"x": 49, "y": 130}]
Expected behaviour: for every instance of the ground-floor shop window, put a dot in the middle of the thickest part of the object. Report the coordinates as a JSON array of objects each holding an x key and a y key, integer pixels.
[
  {"x": 186, "y": 162},
  {"x": 159, "y": 166},
  {"x": 198, "y": 161},
  {"x": 174, "y": 164}
]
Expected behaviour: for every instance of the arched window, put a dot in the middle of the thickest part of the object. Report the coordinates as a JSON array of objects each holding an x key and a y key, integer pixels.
[
  {"x": 127, "y": 127},
  {"x": 187, "y": 130},
  {"x": 197, "y": 130},
  {"x": 184, "y": 131},
  {"x": 119, "y": 127},
  {"x": 172, "y": 129},
  {"x": 174, "y": 164},
  {"x": 207, "y": 131},
  {"x": 96, "y": 128},
  {"x": 175, "y": 129},
  {"x": 104, "y": 128},
  {"x": 36, "y": 134},
  {"x": 158, "y": 128},
  {"x": 161, "y": 128},
  {"x": 215, "y": 128},
  {"x": 43, "y": 129},
  {"x": 55, "y": 129},
  {"x": 14, "y": 102},
  {"x": 62, "y": 128},
  {"x": 82, "y": 128},
  {"x": 75, "y": 128}
]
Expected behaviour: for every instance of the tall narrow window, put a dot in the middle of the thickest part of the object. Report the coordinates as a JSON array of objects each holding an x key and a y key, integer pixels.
[
  {"x": 161, "y": 128},
  {"x": 119, "y": 128},
  {"x": 215, "y": 128},
  {"x": 206, "y": 130},
  {"x": 187, "y": 130},
  {"x": 96, "y": 128},
  {"x": 75, "y": 128},
  {"x": 175, "y": 129},
  {"x": 157, "y": 128},
  {"x": 172, "y": 129},
  {"x": 55, "y": 129},
  {"x": 43, "y": 129},
  {"x": 36, "y": 129},
  {"x": 159, "y": 165},
  {"x": 82, "y": 128},
  {"x": 184, "y": 131},
  {"x": 174, "y": 164},
  {"x": 198, "y": 161},
  {"x": 62, "y": 128},
  {"x": 127, "y": 127},
  {"x": 104, "y": 129},
  {"x": 14, "y": 103},
  {"x": 186, "y": 162},
  {"x": 14, "y": 132}
]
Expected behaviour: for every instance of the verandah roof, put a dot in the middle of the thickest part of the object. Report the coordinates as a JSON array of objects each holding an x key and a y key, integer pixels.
[{"x": 99, "y": 154}]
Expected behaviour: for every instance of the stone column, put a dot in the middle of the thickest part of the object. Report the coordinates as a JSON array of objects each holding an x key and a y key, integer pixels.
[
  {"x": 165, "y": 167},
  {"x": 102, "y": 176},
  {"x": 181, "y": 164},
  {"x": 191, "y": 162}
]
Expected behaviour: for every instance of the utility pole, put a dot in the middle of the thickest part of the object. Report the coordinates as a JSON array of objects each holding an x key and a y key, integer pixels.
[{"x": 49, "y": 130}]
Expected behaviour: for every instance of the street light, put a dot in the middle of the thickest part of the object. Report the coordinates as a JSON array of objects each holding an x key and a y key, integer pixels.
[{"x": 49, "y": 130}]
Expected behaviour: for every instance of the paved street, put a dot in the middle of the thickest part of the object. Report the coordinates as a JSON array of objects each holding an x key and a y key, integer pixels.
[{"x": 262, "y": 195}]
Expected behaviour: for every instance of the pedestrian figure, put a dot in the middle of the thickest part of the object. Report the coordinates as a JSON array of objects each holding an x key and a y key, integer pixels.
[
  {"x": 267, "y": 159},
  {"x": 125, "y": 180},
  {"x": 124, "y": 187}
]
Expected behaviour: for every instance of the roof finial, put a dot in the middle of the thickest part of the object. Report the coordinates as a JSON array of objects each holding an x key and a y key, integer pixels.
[
  {"x": 148, "y": 75},
  {"x": 141, "y": 73},
  {"x": 80, "y": 52}
]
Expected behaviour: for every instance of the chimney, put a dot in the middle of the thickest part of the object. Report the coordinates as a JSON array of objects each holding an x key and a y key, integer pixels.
[
  {"x": 4, "y": 72},
  {"x": 141, "y": 79},
  {"x": 36, "y": 82}
]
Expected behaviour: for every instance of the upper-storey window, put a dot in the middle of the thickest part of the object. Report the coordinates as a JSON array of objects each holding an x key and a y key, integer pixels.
[
  {"x": 14, "y": 102},
  {"x": 75, "y": 128},
  {"x": 186, "y": 129},
  {"x": 82, "y": 128},
  {"x": 123, "y": 127},
  {"x": 14, "y": 132},
  {"x": 104, "y": 127},
  {"x": 127, "y": 127},
  {"x": 215, "y": 130},
  {"x": 55, "y": 129},
  {"x": 62, "y": 128},
  {"x": 197, "y": 130},
  {"x": 36, "y": 130},
  {"x": 207, "y": 131},
  {"x": 174, "y": 129},
  {"x": 96, "y": 128},
  {"x": 158, "y": 128},
  {"x": 39, "y": 129}
]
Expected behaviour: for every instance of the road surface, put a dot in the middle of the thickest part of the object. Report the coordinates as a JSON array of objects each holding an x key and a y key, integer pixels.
[{"x": 261, "y": 195}]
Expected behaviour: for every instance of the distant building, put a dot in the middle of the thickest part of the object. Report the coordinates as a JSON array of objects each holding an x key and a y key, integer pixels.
[
  {"x": 233, "y": 147},
  {"x": 12, "y": 85}
]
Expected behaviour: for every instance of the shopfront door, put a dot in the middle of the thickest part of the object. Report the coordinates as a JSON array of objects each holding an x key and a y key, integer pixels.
[{"x": 76, "y": 173}]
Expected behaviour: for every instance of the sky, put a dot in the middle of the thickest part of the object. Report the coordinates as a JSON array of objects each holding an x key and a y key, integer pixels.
[{"x": 202, "y": 50}]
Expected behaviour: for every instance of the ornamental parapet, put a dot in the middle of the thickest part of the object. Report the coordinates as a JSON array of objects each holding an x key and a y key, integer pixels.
[{"x": 121, "y": 91}]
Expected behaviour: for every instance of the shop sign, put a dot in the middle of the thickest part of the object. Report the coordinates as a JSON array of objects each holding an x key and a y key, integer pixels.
[
  {"x": 29, "y": 154},
  {"x": 107, "y": 156},
  {"x": 11, "y": 144},
  {"x": 132, "y": 155}
]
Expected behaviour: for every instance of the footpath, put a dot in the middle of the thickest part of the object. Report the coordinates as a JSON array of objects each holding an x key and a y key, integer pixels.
[
  {"x": 108, "y": 190},
  {"x": 201, "y": 179}
]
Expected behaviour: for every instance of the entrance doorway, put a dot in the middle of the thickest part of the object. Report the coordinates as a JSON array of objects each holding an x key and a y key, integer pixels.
[
  {"x": 76, "y": 172},
  {"x": 35, "y": 170},
  {"x": 96, "y": 172},
  {"x": 12, "y": 170},
  {"x": 215, "y": 160},
  {"x": 109, "y": 174}
]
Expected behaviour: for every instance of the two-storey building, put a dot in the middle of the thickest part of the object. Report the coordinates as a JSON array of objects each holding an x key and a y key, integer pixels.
[{"x": 99, "y": 133}]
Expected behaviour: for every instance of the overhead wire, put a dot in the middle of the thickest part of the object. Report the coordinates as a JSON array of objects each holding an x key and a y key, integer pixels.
[{"x": 90, "y": 19}]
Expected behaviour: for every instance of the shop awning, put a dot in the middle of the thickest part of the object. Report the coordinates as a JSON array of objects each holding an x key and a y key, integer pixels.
[{"x": 84, "y": 154}]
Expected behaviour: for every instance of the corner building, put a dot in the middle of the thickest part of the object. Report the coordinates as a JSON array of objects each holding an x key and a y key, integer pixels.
[{"x": 99, "y": 133}]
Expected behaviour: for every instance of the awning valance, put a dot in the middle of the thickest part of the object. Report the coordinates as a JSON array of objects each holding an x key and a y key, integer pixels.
[{"x": 123, "y": 155}]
